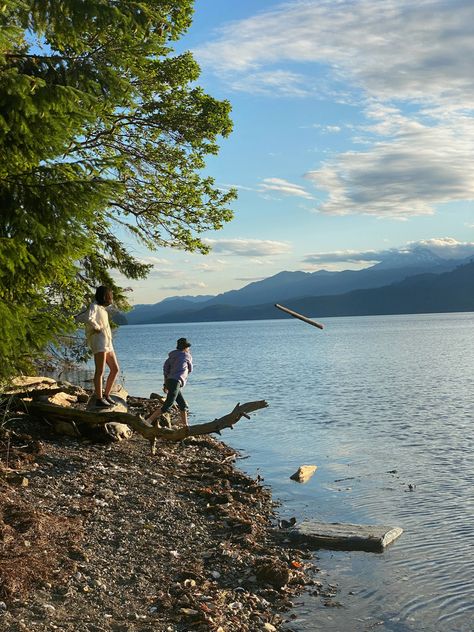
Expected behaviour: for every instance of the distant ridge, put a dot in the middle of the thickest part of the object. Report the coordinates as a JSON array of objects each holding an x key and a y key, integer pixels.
[
  {"x": 285, "y": 286},
  {"x": 451, "y": 291}
]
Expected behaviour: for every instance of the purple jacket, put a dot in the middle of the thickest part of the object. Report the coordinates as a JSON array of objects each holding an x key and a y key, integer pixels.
[{"x": 178, "y": 366}]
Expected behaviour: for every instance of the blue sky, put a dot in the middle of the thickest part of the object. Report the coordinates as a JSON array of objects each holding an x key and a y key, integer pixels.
[{"x": 353, "y": 137}]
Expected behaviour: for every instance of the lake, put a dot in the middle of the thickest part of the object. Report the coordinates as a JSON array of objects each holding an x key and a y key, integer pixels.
[{"x": 383, "y": 405}]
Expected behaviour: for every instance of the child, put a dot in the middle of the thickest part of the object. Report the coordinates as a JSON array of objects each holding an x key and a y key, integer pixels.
[{"x": 176, "y": 369}]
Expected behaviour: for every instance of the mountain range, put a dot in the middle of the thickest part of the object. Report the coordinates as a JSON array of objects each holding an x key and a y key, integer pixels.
[{"x": 412, "y": 282}]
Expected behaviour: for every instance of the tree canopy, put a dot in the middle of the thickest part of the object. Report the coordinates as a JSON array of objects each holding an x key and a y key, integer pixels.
[{"x": 102, "y": 130}]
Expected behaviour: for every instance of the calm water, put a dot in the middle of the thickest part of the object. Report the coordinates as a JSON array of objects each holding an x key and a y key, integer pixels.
[{"x": 366, "y": 396}]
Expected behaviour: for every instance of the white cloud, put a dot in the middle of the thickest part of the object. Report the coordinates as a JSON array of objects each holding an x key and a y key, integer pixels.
[
  {"x": 444, "y": 247},
  {"x": 166, "y": 274},
  {"x": 212, "y": 266},
  {"x": 188, "y": 285},
  {"x": 277, "y": 82},
  {"x": 155, "y": 261},
  {"x": 415, "y": 54},
  {"x": 327, "y": 129},
  {"x": 393, "y": 49},
  {"x": 283, "y": 186},
  {"x": 417, "y": 168},
  {"x": 248, "y": 247},
  {"x": 240, "y": 187},
  {"x": 343, "y": 256}
]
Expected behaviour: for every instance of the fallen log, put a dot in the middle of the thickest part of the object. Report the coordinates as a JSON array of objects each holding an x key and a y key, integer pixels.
[{"x": 56, "y": 413}]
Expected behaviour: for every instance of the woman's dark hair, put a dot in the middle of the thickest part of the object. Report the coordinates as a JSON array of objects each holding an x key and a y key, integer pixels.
[{"x": 101, "y": 294}]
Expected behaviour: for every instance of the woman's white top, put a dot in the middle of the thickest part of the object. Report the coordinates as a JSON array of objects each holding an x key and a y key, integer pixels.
[{"x": 96, "y": 318}]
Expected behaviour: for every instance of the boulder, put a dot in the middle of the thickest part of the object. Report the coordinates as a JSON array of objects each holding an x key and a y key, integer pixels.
[
  {"x": 117, "y": 431},
  {"x": 61, "y": 399},
  {"x": 304, "y": 473}
]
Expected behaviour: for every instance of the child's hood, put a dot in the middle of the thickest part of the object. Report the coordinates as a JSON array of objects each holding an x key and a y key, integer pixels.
[{"x": 179, "y": 354}]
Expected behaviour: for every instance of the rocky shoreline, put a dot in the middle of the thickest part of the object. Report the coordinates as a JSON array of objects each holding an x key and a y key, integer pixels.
[{"x": 106, "y": 537}]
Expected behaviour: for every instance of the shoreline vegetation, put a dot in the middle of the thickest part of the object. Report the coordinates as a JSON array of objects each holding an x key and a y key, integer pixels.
[{"x": 100, "y": 536}]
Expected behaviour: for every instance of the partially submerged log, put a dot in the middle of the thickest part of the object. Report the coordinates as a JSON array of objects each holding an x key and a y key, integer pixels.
[{"x": 348, "y": 537}]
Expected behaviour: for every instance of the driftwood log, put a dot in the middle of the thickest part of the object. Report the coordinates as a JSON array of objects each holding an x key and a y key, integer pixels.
[
  {"x": 349, "y": 537},
  {"x": 305, "y": 319},
  {"x": 76, "y": 416}
]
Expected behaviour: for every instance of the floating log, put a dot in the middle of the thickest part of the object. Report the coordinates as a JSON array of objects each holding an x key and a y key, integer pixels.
[
  {"x": 373, "y": 538},
  {"x": 300, "y": 316}
]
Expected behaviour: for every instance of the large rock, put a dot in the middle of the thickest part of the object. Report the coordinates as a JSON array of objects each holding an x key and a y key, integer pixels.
[
  {"x": 119, "y": 396},
  {"x": 336, "y": 535},
  {"x": 118, "y": 432},
  {"x": 304, "y": 473},
  {"x": 26, "y": 383},
  {"x": 61, "y": 399},
  {"x": 45, "y": 387}
]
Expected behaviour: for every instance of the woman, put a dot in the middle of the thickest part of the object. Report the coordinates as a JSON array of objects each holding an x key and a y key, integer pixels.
[{"x": 99, "y": 339}]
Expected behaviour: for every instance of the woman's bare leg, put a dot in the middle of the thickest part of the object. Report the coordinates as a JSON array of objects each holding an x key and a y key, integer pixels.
[
  {"x": 99, "y": 361},
  {"x": 113, "y": 371}
]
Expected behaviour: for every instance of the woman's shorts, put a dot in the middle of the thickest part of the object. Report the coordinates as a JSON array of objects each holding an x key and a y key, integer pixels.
[{"x": 100, "y": 343}]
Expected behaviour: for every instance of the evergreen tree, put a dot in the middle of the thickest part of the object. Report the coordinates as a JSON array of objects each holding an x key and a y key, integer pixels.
[{"x": 102, "y": 130}]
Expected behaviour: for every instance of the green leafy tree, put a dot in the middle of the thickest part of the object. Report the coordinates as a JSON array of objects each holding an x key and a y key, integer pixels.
[{"x": 102, "y": 131}]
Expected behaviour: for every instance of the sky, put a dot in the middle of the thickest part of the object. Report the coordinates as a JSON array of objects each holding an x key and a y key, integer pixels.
[{"x": 353, "y": 137}]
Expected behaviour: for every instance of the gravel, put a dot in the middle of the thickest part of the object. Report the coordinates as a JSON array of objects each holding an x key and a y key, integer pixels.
[{"x": 105, "y": 537}]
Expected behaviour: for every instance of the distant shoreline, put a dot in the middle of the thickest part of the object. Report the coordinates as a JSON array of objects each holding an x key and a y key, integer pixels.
[{"x": 283, "y": 317}]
